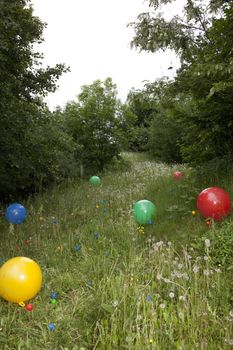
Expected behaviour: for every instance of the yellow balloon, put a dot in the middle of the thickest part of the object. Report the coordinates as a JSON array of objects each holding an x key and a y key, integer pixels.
[{"x": 20, "y": 279}]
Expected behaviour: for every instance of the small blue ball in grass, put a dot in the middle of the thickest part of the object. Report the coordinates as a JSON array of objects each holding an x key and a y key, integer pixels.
[
  {"x": 51, "y": 326},
  {"x": 96, "y": 235},
  {"x": 53, "y": 295},
  {"x": 16, "y": 213}
]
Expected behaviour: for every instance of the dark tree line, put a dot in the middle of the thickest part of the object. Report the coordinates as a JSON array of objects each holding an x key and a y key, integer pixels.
[
  {"x": 39, "y": 147},
  {"x": 191, "y": 116}
]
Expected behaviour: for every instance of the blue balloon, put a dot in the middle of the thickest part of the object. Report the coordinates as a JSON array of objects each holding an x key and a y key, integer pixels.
[{"x": 16, "y": 213}]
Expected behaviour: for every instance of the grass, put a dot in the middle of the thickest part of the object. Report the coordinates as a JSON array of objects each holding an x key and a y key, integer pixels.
[{"x": 120, "y": 285}]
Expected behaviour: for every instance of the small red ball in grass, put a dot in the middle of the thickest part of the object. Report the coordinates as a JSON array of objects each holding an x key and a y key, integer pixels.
[
  {"x": 29, "y": 307},
  {"x": 208, "y": 223},
  {"x": 177, "y": 175}
]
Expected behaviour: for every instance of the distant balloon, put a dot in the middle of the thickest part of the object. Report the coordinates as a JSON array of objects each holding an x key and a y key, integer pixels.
[
  {"x": 143, "y": 211},
  {"x": 16, "y": 213},
  {"x": 178, "y": 175},
  {"x": 214, "y": 202},
  {"x": 95, "y": 181}
]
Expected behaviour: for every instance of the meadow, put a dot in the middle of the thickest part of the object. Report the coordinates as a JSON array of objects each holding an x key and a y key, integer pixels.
[{"x": 119, "y": 285}]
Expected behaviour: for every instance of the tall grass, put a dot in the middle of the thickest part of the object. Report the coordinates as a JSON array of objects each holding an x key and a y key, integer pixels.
[{"x": 120, "y": 285}]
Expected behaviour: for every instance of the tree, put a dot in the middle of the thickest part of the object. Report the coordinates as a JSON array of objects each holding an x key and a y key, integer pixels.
[
  {"x": 142, "y": 105},
  {"x": 94, "y": 123},
  {"x": 185, "y": 35},
  {"x": 202, "y": 89},
  {"x": 22, "y": 85}
]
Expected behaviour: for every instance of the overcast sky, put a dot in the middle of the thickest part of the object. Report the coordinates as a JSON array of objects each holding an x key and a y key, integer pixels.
[{"x": 91, "y": 36}]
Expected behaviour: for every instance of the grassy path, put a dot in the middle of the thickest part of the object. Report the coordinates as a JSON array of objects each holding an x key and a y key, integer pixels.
[{"x": 119, "y": 286}]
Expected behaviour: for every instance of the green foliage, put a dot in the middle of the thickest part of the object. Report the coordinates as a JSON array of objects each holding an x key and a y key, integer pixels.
[
  {"x": 142, "y": 107},
  {"x": 127, "y": 121},
  {"x": 31, "y": 145},
  {"x": 164, "y": 138},
  {"x": 94, "y": 125},
  {"x": 164, "y": 129},
  {"x": 131, "y": 288},
  {"x": 202, "y": 89},
  {"x": 38, "y": 155},
  {"x": 209, "y": 83},
  {"x": 222, "y": 246}
]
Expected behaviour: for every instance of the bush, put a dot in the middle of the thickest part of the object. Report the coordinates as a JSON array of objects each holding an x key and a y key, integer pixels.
[
  {"x": 222, "y": 246},
  {"x": 164, "y": 137}
]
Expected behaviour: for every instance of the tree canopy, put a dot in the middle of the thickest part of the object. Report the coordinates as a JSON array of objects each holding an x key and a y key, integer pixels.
[
  {"x": 202, "y": 89},
  {"x": 23, "y": 83},
  {"x": 94, "y": 122}
]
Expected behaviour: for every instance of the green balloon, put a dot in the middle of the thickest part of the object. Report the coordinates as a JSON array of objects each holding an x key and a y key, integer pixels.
[
  {"x": 143, "y": 211},
  {"x": 95, "y": 181}
]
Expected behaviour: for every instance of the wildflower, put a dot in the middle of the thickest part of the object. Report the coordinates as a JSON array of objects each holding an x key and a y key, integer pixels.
[
  {"x": 166, "y": 280},
  {"x": 149, "y": 298},
  {"x": 162, "y": 306},
  {"x": 175, "y": 274},
  {"x": 217, "y": 270},
  {"x": 207, "y": 243},
  {"x": 171, "y": 295},
  {"x": 185, "y": 276},
  {"x": 195, "y": 269},
  {"x": 182, "y": 298},
  {"x": 206, "y": 272},
  {"x": 180, "y": 266},
  {"x": 159, "y": 244},
  {"x": 115, "y": 303},
  {"x": 228, "y": 341},
  {"x": 205, "y": 258}
]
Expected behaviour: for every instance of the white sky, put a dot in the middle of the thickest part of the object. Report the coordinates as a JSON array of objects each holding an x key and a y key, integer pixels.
[{"x": 91, "y": 37}]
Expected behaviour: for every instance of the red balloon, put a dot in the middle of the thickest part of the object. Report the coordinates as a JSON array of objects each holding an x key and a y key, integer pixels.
[
  {"x": 214, "y": 202},
  {"x": 178, "y": 175}
]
